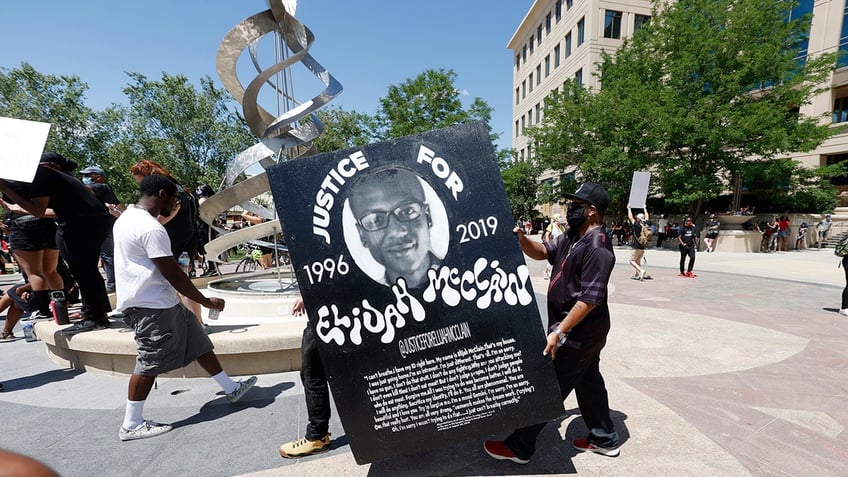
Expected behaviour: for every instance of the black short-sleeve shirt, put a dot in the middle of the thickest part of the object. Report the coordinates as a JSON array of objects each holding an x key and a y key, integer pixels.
[
  {"x": 581, "y": 271},
  {"x": 69, "y": 198},
  {"x": 637, "y": 231},
  {"x": 687, "y": 235}
]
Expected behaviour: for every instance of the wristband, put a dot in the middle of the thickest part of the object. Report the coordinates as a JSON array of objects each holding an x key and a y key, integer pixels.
[{"x": 560, "y": 334}]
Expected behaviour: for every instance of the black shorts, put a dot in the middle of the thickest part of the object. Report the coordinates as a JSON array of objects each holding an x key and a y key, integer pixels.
[{"x": 31, "y": 234}]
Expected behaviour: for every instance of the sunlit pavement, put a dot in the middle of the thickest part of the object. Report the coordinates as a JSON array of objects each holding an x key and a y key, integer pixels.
[{"x": 739, "y": 371}]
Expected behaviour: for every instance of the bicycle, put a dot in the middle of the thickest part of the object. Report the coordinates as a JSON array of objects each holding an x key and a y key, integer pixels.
[{"x": 252, "y": 261}]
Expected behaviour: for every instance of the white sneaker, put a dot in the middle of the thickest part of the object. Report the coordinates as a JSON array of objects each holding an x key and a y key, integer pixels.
[
  {"x": 147, "y": 429},
  {"x": 843, "y": 312},
  {"x": 244, "y": 387},
  {"x": 643, "y": 275}
]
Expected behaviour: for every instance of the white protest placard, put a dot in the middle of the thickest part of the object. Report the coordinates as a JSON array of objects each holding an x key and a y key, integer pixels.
[
  {"x": 21, "y": 145},
  {"x": 639, "y": 189}
]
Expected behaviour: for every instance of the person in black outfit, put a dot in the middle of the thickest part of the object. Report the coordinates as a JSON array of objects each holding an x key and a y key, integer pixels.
[
  {"x": 204, "y": 232},
  {"x": 95, "y": 179},
  {"x": 844, "y": 309},
  {"x": 317, "y": 394},
  {"x": 83, "y": 224},
  {"x": 688, "y": 241},
  {"x": 578, "y": 320}
]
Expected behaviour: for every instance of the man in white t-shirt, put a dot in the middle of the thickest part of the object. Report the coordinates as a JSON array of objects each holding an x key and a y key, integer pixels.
[{"x": 167, "y": 334}]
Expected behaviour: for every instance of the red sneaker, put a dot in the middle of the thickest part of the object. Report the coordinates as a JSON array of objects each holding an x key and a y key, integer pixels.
[
  {"x": 691, "y": 275},
  {"x": 583, "y": 445},
  {"x": 683, "y": 275},
  {"x": 498, "y": 450}
]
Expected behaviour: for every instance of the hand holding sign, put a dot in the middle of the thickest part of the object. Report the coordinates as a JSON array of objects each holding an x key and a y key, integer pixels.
[
  {"x": 23, "y": 142},
  {"x": 639, "y": 189}
]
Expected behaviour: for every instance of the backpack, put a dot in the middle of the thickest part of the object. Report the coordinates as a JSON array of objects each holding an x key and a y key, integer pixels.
[
  {"x": 841, "y": 249},
  {"x": 645, "y": 235}
]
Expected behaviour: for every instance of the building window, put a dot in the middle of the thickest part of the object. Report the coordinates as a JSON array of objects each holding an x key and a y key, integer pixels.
[
  {"x": 804, "y": 7},
  {"x": 532, "y": 39},
  {"x": 558, "y": 10},
  {"x": 548, "y": 24},
  {"x": 843, "y": 40},
  {"x": 568, "y": 45},
  {"x": 538, "y": 113},
  {"x": 523, "y": 89},
  {"x": 523, "y": 124},
  {"x": 547, "y": 66},
  {"x": 578, "y": 77},
  {"x": 524, "y": 54},
  {"x": 612, "y": 24},
  {"x": 517, "y": 61},
  {"x": 538, "y": 74},
  {"x": 530, "y": 118},
  {"x": 517, "y": 131},
  {"x": 569, "y": 4},
  {"x": 517, "y": 96},
  {"x": 556, "y": 56},
  {"x": 640, "y": 22},
  {"x": 531, "y": 82},
  {"x": 581, "y": 31},
  {"x": 539, "y": 34},
  {"x": 840, "y": 110}
]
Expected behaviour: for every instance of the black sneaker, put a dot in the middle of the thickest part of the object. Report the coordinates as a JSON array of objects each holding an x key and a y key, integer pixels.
[
  {"x": 81, "y": 327},
  {"x": 36, "y": 316}
]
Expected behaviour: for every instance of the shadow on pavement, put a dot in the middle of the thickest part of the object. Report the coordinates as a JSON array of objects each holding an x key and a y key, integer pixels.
[
  {"x": 467, "y": 458},
  {"x": 40, "y": 379},
  {"x": 257, "y": 397}
]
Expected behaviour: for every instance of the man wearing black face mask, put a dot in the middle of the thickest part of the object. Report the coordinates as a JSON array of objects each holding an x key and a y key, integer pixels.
[{"x": 579, "y": 320}]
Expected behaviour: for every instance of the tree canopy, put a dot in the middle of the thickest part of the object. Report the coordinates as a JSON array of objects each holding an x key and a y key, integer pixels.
[
  {"x": 195, "y": 132},
  {"x": 703, "y": 88}
]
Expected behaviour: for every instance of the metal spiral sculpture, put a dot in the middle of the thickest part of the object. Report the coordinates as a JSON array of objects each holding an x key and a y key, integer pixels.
[{"x": 283, "y": 137}]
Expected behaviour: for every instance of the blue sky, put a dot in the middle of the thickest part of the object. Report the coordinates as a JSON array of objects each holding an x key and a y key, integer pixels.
[{"x": 367, "y": 45}]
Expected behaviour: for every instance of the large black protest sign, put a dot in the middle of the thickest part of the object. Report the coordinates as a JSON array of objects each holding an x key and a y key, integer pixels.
[{"x": 417, "y": 291}]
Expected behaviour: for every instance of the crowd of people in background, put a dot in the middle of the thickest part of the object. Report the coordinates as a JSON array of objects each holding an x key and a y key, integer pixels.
[
  {"x": 776, "y": 233},
  {"x": 62, "y": 222}
]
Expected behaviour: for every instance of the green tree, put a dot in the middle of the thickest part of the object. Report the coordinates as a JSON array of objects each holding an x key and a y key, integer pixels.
[
  {"x": 582, "y": 134},
  {"x": 522, "y": 188},
  {"x": 343, "y": 129},
  {"x": 59, "y": 100},
  {"x": 195, "y": 134},
  {"x": 427, "y": 102},
  {"x": 432, "y": 101},
  {"x": 706, "y": 86}
]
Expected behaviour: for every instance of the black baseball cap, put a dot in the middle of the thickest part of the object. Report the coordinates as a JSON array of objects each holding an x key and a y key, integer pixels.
[
  {"x": 66, "y": 165},
  {"x": 592, "y": 193}
]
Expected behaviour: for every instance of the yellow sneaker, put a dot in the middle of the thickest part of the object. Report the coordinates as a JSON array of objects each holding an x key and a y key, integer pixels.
[{"x": 303, "y": 447}]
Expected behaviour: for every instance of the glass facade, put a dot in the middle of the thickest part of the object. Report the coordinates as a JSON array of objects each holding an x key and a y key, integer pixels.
[
  {"x": 804, "y": 7},
  {"x": 843, "y": 40},
  {"x": 612, "y": 24},
  {"x": 640, "y": 21},
  {"x": 581, "y": 31},
  {"x": 840, "y": 110}
]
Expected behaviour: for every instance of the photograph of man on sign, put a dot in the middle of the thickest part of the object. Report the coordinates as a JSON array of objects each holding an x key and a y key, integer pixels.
[{"x": 392, "y": 229}]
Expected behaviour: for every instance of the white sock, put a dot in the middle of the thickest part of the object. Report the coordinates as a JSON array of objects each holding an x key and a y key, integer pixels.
[
  {"x": 133, "y": 415},
  {"x": 227, "y": 384}
]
